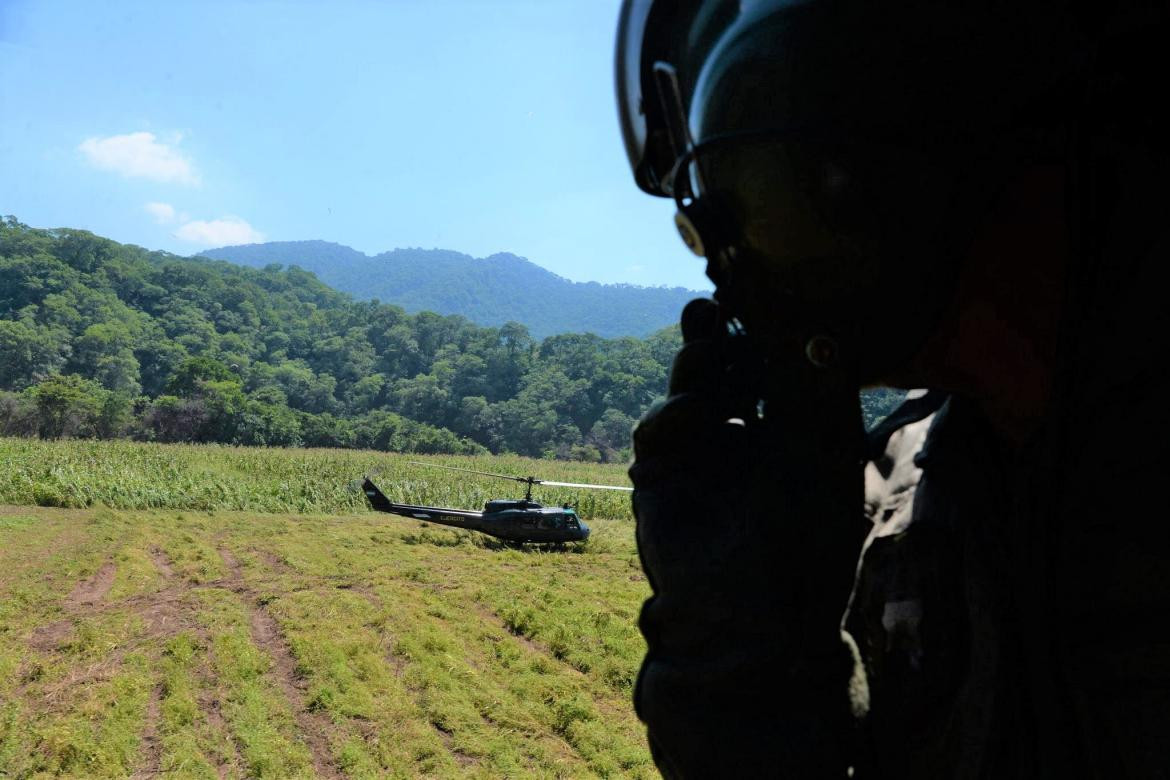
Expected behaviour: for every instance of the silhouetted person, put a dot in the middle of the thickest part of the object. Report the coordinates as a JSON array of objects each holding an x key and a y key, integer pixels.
[{"x": 969, "y": 198}]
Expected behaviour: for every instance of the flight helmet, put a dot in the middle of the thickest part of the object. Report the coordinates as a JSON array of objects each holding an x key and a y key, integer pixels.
[{"x": 831, "y": 158}]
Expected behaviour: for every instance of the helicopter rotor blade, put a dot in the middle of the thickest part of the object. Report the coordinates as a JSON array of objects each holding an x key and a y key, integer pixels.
[
  {"x": 580, "y": 485},
  {"x": 471, "y": 471},
  {"x": 525, "y": 480}
]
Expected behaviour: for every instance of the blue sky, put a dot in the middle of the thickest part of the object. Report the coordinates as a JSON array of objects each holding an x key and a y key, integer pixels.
[{"x": 475, "y": 125}]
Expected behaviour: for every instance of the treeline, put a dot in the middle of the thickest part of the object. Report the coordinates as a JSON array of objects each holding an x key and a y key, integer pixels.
[{"x": 103, "y": 339}]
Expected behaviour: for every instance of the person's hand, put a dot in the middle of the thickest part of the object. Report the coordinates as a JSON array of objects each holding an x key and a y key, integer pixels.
[
  {"x": 686, "y": 445},
  {"x": 745, "y": 673}
]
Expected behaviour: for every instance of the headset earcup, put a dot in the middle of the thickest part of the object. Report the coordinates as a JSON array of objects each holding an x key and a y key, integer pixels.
[{"x": 703, "y": 232}]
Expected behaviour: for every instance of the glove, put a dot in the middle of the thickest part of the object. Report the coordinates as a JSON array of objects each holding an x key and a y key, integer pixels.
[{"x": 748, "y": 531}]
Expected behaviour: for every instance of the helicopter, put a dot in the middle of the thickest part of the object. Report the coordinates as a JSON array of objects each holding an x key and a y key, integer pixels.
[{"x": 519, "y": 520}]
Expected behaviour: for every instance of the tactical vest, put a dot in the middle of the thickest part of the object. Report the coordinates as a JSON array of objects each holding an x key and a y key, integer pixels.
[{"x": 1011, "y": 625}]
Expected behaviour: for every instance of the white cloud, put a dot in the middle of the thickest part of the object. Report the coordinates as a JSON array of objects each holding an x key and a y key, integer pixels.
[
  {"x": 225, "y": 231},
  {"x": 163, "y": 213},
  {"x": 139, "y": 155}
]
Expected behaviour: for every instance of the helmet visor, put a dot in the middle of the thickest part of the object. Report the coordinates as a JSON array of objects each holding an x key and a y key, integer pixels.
[
  {"x": 645, "y": 41},
  {"x": 628, "y": 73}
]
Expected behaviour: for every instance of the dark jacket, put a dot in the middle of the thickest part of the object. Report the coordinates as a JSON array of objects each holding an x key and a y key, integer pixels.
[
  {"x": 1010, "y": 603},
  {"x": 1015, "y": 623}
]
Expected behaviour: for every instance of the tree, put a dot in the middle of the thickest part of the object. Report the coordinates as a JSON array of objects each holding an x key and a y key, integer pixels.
[
  {"x": 508, "y": 361},
  {"x": 611, "y": 435},
  {"x": 268, "y": 425},
  {"x": 83, "y": 250},
  {"x": 325, "y": 430},
  {"x": 18, "y": 415},
  {"x": 115, "y": 416},
  {"x": 158, "y": 359},
  {"x": 365, "y": 393},
  {"x": 347, "y": 357},
  {"x": 305, "y": 390},
  {"x": 192, "y": 373},
  {"x": 423, "y": 398},
  {"x": 470, "y": 420},
  {"x": 173, "y": 419},
  {"x": 28, "y": 353},
  {"x": 68, "y": 406},
  {"x": 401, "y": 355},
  {"x": 225, "y": 404}
]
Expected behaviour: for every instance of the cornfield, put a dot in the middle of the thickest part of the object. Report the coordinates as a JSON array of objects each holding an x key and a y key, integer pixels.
[{"x": 132, "y": 475}]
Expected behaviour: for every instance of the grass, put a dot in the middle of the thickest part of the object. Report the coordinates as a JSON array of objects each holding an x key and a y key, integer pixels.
[
  {"x": 139, "y": 639},
  {"x": 131, "y": 475}
]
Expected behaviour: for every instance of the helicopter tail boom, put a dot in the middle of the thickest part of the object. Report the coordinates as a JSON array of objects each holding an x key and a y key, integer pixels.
[{"x": 433, "y": 514}]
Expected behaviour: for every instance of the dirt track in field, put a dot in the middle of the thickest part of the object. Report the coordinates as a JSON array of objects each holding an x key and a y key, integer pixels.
[
  {"x": 266, "y": 634},
  {"x": 147, "y": 644},
  {"x": 93, "y": 589}
]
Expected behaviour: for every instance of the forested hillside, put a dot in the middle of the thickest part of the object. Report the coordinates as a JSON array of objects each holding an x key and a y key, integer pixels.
[
  {"x": 103, "y": 339},
  {"x": 488, "y": 291}
]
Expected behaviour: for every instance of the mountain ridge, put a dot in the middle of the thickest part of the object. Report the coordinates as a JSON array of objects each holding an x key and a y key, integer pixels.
[{"x": 490, "y": 291}]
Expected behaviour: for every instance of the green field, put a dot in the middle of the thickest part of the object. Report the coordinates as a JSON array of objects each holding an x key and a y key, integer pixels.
[
  {"x": 129, "y": 475},
  {"x": 221, "y": 612}
]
